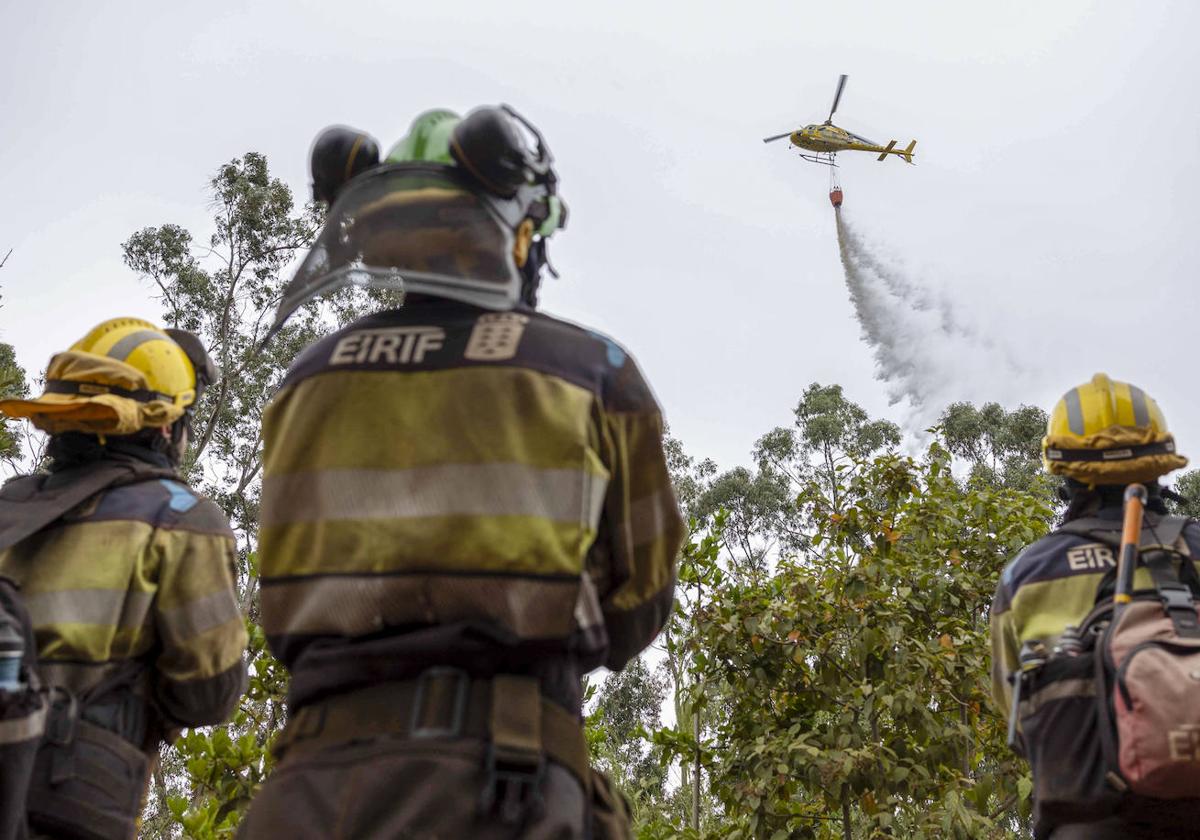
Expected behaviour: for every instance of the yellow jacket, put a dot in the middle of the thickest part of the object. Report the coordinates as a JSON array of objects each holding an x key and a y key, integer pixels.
[
  {"x": 140, "y": 578},
  {"x": 448, "y": 485}
]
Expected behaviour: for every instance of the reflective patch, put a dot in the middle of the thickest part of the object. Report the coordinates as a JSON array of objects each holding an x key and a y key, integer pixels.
[
  {"x": 495, "y": 336},
  {"x": 1007, "y": 574},
  {"x": 390, "y": 345},
  {"x": 1185, "y": 742},
  {"x": 1074, "y": 411},
  {"x": 182, "y": 499},
  {"x": 121, "y": 350},
  {"x": 199, "y": 616},
  {"x": 105, "y": 607},
  {"x": 1088, "y": 558},
  {"x": 1141, "y": 412},
  {"x": 356, "y": 605},
  {"x": 649, "y": 517},
  {"x": 76, "y": 677},
  {"x": 573, "y": 496},
  {"x": 613, "y": 351},
  {"x": 1060, "y": 690}
]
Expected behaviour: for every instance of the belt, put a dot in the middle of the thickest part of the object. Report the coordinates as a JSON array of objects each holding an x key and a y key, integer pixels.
[{"x": 508, "y": 711}]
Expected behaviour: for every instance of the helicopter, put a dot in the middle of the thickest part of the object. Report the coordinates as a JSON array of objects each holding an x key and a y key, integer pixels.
[{"x": 825, "y": 140}]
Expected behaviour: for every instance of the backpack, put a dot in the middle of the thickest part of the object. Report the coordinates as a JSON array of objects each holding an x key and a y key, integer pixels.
[
  {"x": 1110, "y": 718},
  {"x": 22, "y": 718}
]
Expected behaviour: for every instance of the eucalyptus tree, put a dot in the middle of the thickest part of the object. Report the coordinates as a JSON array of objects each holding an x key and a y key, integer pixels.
[{"x": 225, "y": 286}]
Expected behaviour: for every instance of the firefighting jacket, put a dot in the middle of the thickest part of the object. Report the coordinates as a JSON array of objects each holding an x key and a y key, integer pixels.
[
  {"x": 137, "y": 579},
  {"x": 1052, "y": 584},
  {"x": 444, "y": 485}
]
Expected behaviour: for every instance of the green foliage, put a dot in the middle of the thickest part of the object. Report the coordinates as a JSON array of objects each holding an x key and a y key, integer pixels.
[
  {"x": 1001, "y": 447},
  {"x": 630, "y": 705},
  {"x": 1188, "y": 486},
  {"x": 12, "y": 385},
  {"x": 225, "y": 765},
  {"x": 854, "y": 680}
]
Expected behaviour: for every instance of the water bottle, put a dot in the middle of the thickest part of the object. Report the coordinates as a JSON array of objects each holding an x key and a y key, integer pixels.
[{"x": 12, "y": 651}]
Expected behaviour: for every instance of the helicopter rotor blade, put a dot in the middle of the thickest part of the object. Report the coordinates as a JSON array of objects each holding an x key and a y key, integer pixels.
[
  {"x": 837, "y": 96},
  {"x": 777, "y": 137}
]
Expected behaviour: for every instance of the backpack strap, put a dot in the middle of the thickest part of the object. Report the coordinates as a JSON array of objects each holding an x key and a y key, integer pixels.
[
  {"x": 1175, "y": 587},
  {"x": 30, "y": 503},
  {"x": 1161, "y": 539},
  {"x": 1176, "y": 595}
]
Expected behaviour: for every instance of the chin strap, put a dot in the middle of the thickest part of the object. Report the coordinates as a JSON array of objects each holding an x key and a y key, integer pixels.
[{"x": 531, "y": 272}]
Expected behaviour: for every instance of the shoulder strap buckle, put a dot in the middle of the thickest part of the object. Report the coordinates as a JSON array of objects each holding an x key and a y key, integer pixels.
[
  {"x": 1176, "y": 596},
  {"x": 1180, "y": 608},
  {"x": 435, "y": 684},
  {"x": 516, "y": 760},
  {"x": 513, "y": 786}
]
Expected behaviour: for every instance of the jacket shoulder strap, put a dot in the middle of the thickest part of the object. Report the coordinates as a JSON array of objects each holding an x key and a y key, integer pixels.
[
  {"x": 1106, "y": 531},
  {"x": 30, "y": 503},
  {"x": 1166, "y": 532}
]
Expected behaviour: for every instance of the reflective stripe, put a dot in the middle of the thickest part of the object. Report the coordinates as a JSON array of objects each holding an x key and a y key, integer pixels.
[
  {"x": 121, "y": 350},
  {"x": 1061, "y": 690},
  {"x": 649, "y": 517},
  {"x": 23, "y": 728},
  {"x": 532, "y": 608},
  {"x": 108, "y": 607},
  {"x": 1074, "y": 411},
  {"x": 1141, "y": 412},
  {"x": 444, "y": 490},
  {"x": 77, "y": 677},
  {"x": 199, "y": 616}
]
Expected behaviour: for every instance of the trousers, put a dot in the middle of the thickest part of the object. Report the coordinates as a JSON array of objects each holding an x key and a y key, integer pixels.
[{"x": 390, "y": 788}]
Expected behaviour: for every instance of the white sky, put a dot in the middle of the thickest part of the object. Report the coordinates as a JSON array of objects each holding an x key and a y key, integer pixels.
[{"x": 1053, "y": 204}]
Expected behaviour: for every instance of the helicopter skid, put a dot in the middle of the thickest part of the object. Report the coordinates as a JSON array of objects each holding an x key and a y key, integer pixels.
[{"x": 823, "y": 158}]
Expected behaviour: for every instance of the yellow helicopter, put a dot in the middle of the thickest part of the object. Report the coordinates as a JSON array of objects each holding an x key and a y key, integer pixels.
[{"x": 825, "y": 140}]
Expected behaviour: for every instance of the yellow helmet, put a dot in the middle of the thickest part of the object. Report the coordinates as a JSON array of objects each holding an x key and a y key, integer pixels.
[
  {"x": 1106, "y": 432},
  {"x": 125, "y": 375}
]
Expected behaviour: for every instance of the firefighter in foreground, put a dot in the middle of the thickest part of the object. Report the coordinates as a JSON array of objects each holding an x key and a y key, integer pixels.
[
  {"x": 1102, "y": 436},
  {"x": 466, "y": 507},
  {"x": 127, "y": 575}
]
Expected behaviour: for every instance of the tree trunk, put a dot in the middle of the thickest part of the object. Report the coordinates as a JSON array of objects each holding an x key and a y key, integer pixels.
[
  {"x": 846, "y": 835},
  {"x": 696, "y": 771}
]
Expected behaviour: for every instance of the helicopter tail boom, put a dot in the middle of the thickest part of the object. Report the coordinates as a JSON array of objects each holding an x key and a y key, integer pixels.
[{"x": 906, "y": 152}]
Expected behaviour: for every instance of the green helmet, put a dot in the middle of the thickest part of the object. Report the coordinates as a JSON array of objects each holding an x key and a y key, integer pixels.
[
  {"x": 428, "y": 139},
  {"x": 460, "y": 208}
]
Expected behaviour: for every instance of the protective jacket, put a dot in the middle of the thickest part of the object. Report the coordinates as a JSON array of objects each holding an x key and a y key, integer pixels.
[
  {"x": 1053, "y": 584},
  {"x": 472, "y": 490},
  {"x": 132, "y": 599}
]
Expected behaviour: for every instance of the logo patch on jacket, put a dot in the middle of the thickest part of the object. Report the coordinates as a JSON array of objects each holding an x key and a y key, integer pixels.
[
  {"x": 1090, "y": 557},
  {"x": 392, "y": 345},
  {"x": 495, "y": 337}
]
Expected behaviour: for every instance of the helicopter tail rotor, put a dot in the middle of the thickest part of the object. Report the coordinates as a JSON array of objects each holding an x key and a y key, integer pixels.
[{"x": 837, "y": 97}]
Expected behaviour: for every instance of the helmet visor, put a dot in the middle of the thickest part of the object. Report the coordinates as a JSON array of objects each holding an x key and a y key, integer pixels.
[{"x": 410, "y": 227}]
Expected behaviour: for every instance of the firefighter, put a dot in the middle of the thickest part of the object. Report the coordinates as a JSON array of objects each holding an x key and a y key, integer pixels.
[
  {"x": 127, "y": 574},
  {"x": 1101, "y": 436},
  {"x": 466, "y": 507}
]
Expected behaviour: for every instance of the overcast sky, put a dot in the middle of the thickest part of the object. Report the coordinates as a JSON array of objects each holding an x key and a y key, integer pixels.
[{"x": 1052, "y": 212}]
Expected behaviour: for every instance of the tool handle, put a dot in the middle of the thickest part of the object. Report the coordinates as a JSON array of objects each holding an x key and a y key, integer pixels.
[
  {"x": 1011, "y": 740},
  {"x": 1131, "y": 537}
]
